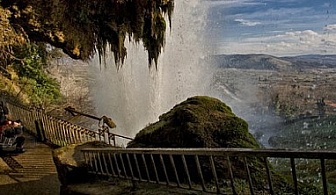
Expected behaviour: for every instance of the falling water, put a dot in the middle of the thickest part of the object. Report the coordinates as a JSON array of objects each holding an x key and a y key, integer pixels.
[{"x": 135, "y": 95}]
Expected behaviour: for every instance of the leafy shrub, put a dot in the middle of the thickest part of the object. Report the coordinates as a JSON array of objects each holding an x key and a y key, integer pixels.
[{"x": 30, "y": 64}]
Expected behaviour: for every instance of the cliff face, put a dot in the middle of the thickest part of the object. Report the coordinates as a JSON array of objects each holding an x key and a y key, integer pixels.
[{"x": 83, "y": 26}]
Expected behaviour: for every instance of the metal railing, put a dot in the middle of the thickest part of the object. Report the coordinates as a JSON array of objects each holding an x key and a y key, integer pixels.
[
  {"x": 57, "y": 131},
  {"x": 216, "y": 170}
]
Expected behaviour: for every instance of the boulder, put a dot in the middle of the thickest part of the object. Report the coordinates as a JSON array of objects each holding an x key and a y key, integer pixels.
[
  {"x": 206, "y": 122},
  {"x": 198, "y": 122}
]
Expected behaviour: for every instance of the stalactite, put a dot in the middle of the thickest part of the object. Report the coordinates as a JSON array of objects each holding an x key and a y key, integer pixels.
[{"x": 83, "y": 27}]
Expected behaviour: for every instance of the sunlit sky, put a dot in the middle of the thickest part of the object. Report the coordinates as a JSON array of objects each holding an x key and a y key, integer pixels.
[{"x": 277, "y": 27}]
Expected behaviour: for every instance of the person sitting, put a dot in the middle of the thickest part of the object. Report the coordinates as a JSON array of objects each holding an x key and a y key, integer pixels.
[
  {"x": 14, "y": 129},
  {"x": 9, "y": 128}
]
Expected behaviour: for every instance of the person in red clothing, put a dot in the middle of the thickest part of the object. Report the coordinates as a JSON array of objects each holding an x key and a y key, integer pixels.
[
  {"x": 9, "y": 128},
  {"x": 14, "y": 129},
  {"x": 4, "y": 125}
]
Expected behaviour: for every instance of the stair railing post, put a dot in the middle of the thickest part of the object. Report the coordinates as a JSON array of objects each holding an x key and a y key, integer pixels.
[{"x": 39, "y": 126}]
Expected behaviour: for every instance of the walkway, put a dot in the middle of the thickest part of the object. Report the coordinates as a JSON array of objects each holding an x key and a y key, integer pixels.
[{"x": 32, "y": 172}]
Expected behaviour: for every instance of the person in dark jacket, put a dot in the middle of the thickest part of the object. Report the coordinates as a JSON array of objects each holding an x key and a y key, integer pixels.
[{"x": 15, "y": 129}]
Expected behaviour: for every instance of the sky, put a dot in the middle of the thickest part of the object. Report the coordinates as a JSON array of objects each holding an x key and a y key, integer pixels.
[{"x": 276, "y": 27}]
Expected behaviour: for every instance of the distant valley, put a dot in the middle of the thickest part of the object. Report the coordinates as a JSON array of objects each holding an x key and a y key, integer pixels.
[{"x": 269, "y": 91}]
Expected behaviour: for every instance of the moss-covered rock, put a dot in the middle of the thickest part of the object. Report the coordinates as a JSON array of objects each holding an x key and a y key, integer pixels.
[
  {"x": 206, "y": 122},
  {"x": 198, "y": 122}
]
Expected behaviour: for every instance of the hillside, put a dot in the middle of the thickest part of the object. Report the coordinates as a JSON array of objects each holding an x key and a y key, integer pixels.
[{"x": 269, "y": 62}]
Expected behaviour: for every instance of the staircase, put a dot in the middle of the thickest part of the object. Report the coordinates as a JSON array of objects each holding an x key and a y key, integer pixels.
[{"x": 31, "y": 172}]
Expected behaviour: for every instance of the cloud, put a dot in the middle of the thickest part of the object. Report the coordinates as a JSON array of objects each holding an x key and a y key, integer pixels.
[
  {"x": 283, "y": 27},
  {"x": 301, "y": 37},
  {"x": 233, "y": 3},
  {"x": 330, "y": 27},
  {"x": 327, "y": 5},
  {"x": 292, "y": 36},
  {"x": 283, "y": 17},
  {"x": 247, "y": 22},
  {"x": 286, "y": 43},
  {"x": 309, "y": 33}
]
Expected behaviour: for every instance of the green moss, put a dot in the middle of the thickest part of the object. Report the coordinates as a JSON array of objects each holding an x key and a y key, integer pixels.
[
  {"x": 150, "y": 129},
  {"x": 199, "y": 121}
]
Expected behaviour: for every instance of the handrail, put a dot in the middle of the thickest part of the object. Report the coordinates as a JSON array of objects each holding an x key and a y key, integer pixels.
[
  {"x": 189, "y": 167},
  {"x": 57, "y": 131},
  {"x": 106, "y": 120},
  {"x": 280, "y": 153}
]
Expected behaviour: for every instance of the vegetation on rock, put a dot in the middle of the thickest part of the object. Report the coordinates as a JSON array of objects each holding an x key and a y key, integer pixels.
[
  {"x": 197, "y": 122},
  {"x": 82, "y": 27},
  {"x": 24, "y": 76},
  {"x": 206, "y": 122}
]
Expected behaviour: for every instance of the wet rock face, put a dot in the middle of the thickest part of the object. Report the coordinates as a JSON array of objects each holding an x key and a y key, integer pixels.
[{"x": 198, "y": 122}]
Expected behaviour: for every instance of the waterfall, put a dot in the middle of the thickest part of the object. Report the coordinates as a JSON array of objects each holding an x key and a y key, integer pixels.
[{"x": 135, "y": 95}]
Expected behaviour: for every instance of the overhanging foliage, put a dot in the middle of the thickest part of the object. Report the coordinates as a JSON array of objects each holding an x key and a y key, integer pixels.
[{"x": 83, "y": 27}]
